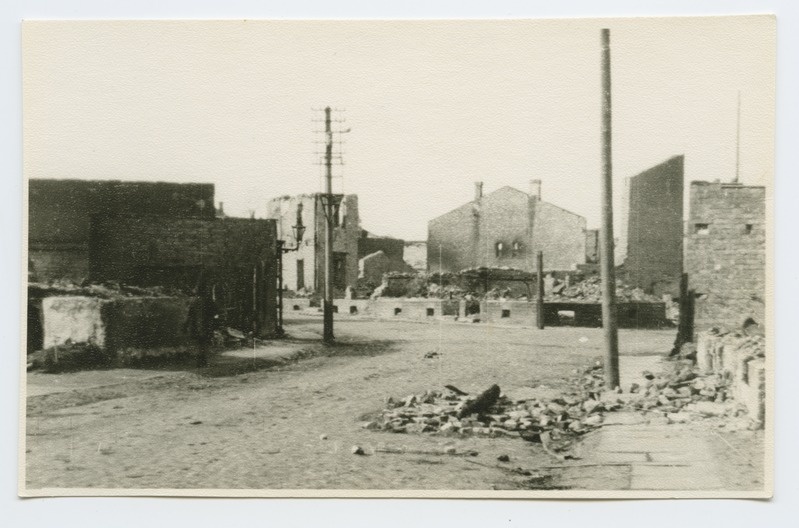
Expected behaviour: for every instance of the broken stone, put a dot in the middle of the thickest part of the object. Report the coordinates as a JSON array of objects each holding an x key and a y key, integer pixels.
[
  {"x": 593, "y": 420},
  {"x": 503, "y": 458},
  {"x": 357, "y": 450}
]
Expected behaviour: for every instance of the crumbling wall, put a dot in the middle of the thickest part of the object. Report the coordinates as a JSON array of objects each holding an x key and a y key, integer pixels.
[
  {"x": 654, "y": 228},
  {"x": 725, "y": 254},
  {"x": 121, "y": 328},
  {"x": 741, "y": 358}
]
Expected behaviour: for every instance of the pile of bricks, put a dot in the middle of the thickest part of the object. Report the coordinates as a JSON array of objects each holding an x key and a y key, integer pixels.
[
  {"x": 680, "y": 394},
  {"x": 590, "y": 290},
  {"x": 442, "y": 412}
]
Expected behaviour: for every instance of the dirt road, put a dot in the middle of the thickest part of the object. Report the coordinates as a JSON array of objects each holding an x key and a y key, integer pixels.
[{"x": 292, "y": 425}]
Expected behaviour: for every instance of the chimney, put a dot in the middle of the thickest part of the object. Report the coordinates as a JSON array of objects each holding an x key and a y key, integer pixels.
[
  {"x": 478, "y": 191},
  {"x": 222, "y": 208},
  {"x": 535, "y": 189}
]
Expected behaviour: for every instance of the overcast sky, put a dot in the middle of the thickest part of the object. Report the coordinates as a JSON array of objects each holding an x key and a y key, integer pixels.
[{"x": 433, "y": 106}]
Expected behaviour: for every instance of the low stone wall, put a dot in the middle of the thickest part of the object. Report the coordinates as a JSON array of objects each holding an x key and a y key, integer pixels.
[
  {"x": 736, "y": 357},
  {"x": 417, "y": 309},
  {"x": 508, "y": 312},
  {"x": 128, "y": 327}
]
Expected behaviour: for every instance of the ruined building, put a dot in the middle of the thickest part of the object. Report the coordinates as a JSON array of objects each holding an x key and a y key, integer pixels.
[
  {"x": 725, "y": 253},
  {"x": 650, "y": 242},
  {"x": 60, "y": 212},
  {"x": 154, "y": 234},
  {"x": 305, "y": 269},
  {"x": 506, "y": 227}
]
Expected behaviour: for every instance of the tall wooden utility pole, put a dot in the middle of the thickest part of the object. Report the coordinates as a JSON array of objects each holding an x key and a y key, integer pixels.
[
  {"x": 327, "y": 334},
  {"x": 606, "y": 243},
  {"x": 540, "y": 295}
]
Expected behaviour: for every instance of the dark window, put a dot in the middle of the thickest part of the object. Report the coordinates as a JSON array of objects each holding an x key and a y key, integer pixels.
[
  {"x": 335, "y": 309},
  {"x": 340, "y": 270},
  {"x": 505, "y": 314},
  {"x": 296, "y": 307},
  {"x": 702, "y": 229},
  {"x": 430, "y": 312},
  {"x": 516, "y": 249},
  {"x": 499, "y": 249},
  {"x": 748, "y": 229},
  {"x": 300, "y": 274},
  {"x": 397, "y": 311},
  {"x": 353, "y": 310}
]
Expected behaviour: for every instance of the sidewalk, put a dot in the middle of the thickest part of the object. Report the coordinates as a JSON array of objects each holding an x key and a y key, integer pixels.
[{"x": 634, "y": 451}]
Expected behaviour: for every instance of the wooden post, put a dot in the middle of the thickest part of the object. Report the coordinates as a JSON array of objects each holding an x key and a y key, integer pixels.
[
  {"x": 327, "y": 305},
  {"x": 609, "y": 322},
  {"x": 540, "y": 297}
]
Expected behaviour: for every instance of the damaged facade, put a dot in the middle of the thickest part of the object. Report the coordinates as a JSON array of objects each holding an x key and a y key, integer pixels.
[
  {"x": 650, "y": 244},
  {"x": 145, "y": 234},
  {"x": 379, "y": 255},
  {"x": 304, "y": 269},
  {"x": 725, "y": 253},
  {"x": 506, "y": 228}
]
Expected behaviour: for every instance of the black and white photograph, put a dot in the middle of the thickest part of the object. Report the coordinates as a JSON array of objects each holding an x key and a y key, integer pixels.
[{"x": 507, "y": 258}]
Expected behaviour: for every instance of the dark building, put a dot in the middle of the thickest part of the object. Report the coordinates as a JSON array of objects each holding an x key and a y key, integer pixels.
[
  {"x": 155, "y": 234},
  {"x": 59, "y": 214},
  {"x": 654, "y": 228},
  {"x": 725, "y": 253},
  {"x": 506, "y": 228},
  {"x": 305, "y": 269}
]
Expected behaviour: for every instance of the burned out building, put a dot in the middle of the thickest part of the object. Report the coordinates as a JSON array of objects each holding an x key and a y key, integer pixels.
[
  {"x": 155, "y": 234},
  {"x": 650, "y": 244},
  {"x": 506, "y": 228},
  {"x": 725, "y": 253},
  {"x": 60, "y": 213},
  {"x": 378, "y": 255},
  {"x": 304, "y": 269}
]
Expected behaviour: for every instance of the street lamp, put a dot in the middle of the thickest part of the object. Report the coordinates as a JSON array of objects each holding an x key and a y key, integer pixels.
[
  {"x": 331, "y": 203},
  {"x": 299, "y": 231}
]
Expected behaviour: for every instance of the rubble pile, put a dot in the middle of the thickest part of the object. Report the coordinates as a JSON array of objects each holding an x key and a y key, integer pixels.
[
  {"x": 678, "y": 395},
  {"x": 454, "y": 412},
  {"x": 590, "y": 290},
  {"x": 109, "y": 290}
]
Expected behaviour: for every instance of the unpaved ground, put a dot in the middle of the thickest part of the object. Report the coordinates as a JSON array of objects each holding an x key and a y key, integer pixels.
[{"x": 240, "y": 425}]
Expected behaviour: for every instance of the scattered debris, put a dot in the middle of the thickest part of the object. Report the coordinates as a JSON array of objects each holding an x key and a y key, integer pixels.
[
  {"x": 322, "y": 437},
  {"x": 503, "y": 458},
  {"x": 357, "y": 450}
]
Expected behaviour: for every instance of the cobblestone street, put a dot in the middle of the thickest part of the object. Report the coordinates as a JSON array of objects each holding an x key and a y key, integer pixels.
[{"x": 285, "y": 416}]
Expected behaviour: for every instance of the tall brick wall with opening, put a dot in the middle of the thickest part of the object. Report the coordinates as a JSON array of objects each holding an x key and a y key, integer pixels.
[{"x": 725, "y": 253}]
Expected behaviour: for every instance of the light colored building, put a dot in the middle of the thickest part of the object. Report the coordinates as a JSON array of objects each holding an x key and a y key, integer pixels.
[
  {"x": 303, "y": 270},
  {"x": 506, "y": 228}
]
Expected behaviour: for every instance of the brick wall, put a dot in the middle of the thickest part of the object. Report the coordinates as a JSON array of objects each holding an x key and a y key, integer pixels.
[
  {"x": 654, "y": 228},
  {"x": 59, "y": 213},
  {"x": 150, "y": 250},
  {"x": 725, "y": 253}
]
